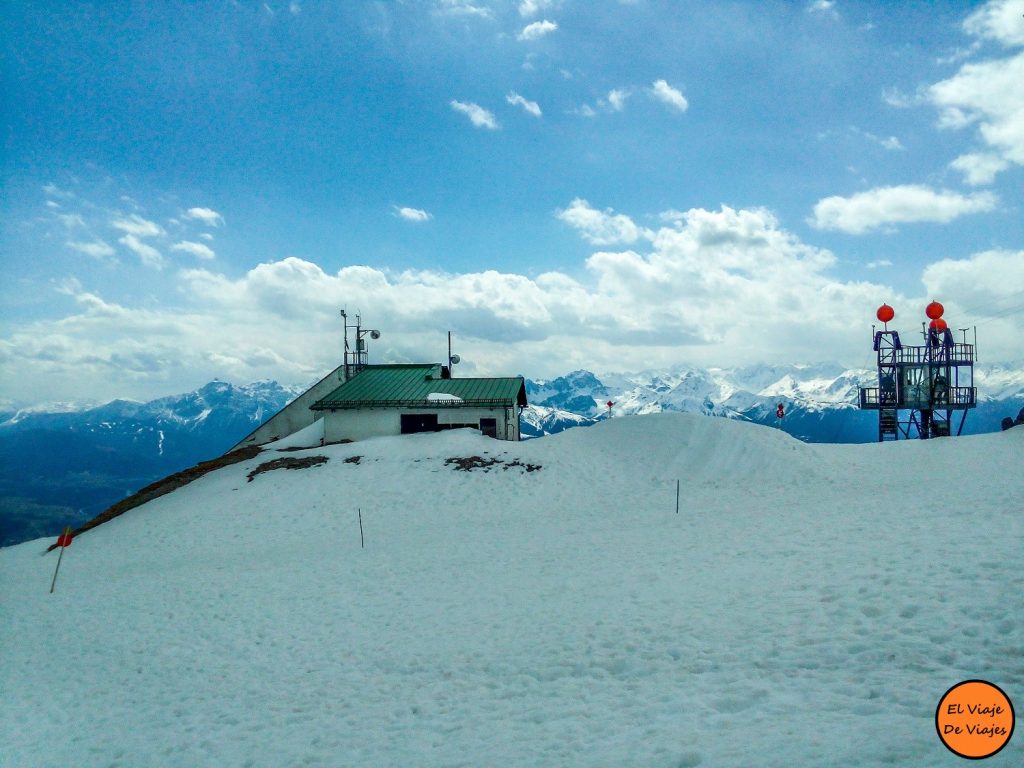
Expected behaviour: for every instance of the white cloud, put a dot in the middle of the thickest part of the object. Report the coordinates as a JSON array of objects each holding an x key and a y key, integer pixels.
[
  {"x": 294, "y": 8},
  {"x": 890, "y": 143},
  {"x": 416, "y": 215},
  {"x": 885, "y": 206},
  {"x": 666, "y": 94},
  {"x": 53, "y": 190},
  {"x": 98, "y": 249},
  {"x": 537, "y": 30},
  {"x": 529, "y": 8},
  {"x": 719, "y": 287},
  {"x": 198, "y": 250},
  {"x": 987, "y": 283},
  {"x": 149, "y": 255},
  {"x": 988, "y": 95},
  {"x": 617, "y": 99},
  {"x": 999, "y": 20},
  {"x": 825, "y": 7},
  {"x": 878, "y": 263},
  {"x": 600, "y": 227},
  {"x": 71, "y": 220},
  {"x": 463, "y": 8},
  {"x": 206, "y": 236},
  {"x": 980, "y": 168},
  {"x": 206, "y": 215},
  {"x": 586, "y": 111},
  {"x": 894, "y": 97},
  {"x": 516, "y": 100},
  {"x": 477, "y": 115},
  {"x": 136, "y": 226}
]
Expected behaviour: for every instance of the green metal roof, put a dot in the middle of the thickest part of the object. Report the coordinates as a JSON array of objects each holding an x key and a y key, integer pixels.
[{"x": 396, "y": 386}]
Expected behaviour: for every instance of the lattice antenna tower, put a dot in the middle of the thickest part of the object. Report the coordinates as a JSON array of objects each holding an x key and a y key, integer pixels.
[{"x": 921, "y": 388}]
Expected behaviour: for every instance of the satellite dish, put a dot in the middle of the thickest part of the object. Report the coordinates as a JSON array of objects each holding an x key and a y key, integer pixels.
[
  {"x": 456, "y": 359},
  {"x": 374, "y": 334}
]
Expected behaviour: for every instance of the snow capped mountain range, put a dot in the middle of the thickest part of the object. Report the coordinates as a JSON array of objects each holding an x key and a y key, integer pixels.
[
  {"x": 820, "y": 400},
  {"x": 64, "y": 466}
]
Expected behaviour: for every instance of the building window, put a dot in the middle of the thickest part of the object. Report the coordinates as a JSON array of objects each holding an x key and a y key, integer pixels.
[{"x": 418, "y": 422}]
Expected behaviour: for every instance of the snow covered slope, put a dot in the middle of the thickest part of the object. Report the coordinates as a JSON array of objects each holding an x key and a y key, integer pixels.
[{"x": 539, "y": 605}]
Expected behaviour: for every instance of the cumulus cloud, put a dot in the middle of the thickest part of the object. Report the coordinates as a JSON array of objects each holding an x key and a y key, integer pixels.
[
  {"x": 600, "y": 227},
  {"x": 878, "y": 264},
  {"x": 886, "y": 206},
  {"x": 206, "y": 215},
  {"x": 136, "y": 226},
  {"x": 416, "y": 215},
  {"x": 998, "y": 20},
  {"x": 477, "y": 115},
  {"x": 666, "y": 94},
  {"x": 198, "y": 250},
  {"x": 987, "y": 95},
  {"x": 987, "y": 276},
  {"x": 516, "y": 100},
  {"x": 98, "y": 249},
  {"x": 147, "y": 254},
  {"x": 712, "y": 287},
  {"x": 537, "y": 29}
]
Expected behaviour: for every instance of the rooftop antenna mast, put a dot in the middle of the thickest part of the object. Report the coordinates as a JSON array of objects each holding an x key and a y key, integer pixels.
[
  {"x": 358, "y": 358},
  {"x": 453, "y": 360}
]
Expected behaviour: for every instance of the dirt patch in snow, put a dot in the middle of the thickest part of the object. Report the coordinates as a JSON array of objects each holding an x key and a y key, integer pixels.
[
  {"x": 470, "y": 463},
  {"x": 287, "y": 463}
]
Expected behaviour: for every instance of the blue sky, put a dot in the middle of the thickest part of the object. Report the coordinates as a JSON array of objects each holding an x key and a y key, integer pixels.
[{"x": 194, "y": 190}]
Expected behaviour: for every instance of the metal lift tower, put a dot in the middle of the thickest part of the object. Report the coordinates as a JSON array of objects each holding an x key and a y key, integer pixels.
[{"x": 920, "y": 388}]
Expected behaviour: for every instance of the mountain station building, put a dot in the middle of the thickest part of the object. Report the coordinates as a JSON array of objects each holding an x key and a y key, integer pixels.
[{"x": 376, "y": 400}]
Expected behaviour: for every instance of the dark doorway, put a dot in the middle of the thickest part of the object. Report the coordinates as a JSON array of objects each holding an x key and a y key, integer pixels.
[
  {"x": 489, "y": 427},
  {"x": 419, "y": 422}
]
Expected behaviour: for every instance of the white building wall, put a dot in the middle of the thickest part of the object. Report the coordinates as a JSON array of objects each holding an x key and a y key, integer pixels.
[
  {"x": 296, "y": 415},
  {"x": 362, "y": 423}
]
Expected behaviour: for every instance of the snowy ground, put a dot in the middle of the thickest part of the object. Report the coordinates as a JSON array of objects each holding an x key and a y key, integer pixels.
[{"x": 808, "y": 606}]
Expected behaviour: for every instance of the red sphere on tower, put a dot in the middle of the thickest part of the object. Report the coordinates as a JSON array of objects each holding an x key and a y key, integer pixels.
[
  {"x": 938, "y": 324},
  {"x": 885, "y": 313},
  {"x": 934, "y": 310}
]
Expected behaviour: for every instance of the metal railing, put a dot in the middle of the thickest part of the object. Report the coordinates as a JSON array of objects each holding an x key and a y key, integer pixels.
[
  {"x": 953, "y": 354},
  {"x": 954, "y": 397}
]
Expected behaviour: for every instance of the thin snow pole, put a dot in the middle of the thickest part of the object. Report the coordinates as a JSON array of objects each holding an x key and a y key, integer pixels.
[
  {"x": 362, "y": 545},
  {"x": 677, "y": 497},
  {"x": 59, "y": 558}
]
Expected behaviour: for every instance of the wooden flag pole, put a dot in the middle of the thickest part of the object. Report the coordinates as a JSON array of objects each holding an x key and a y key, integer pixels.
[{"x": 67, "y": 533}]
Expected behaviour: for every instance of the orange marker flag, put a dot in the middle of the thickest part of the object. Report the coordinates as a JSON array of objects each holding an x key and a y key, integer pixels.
[{"x": 63, "y": 541}]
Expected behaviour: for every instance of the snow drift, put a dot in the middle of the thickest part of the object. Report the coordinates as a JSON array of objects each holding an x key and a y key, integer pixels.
[{"x": 809, "y": 605}]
